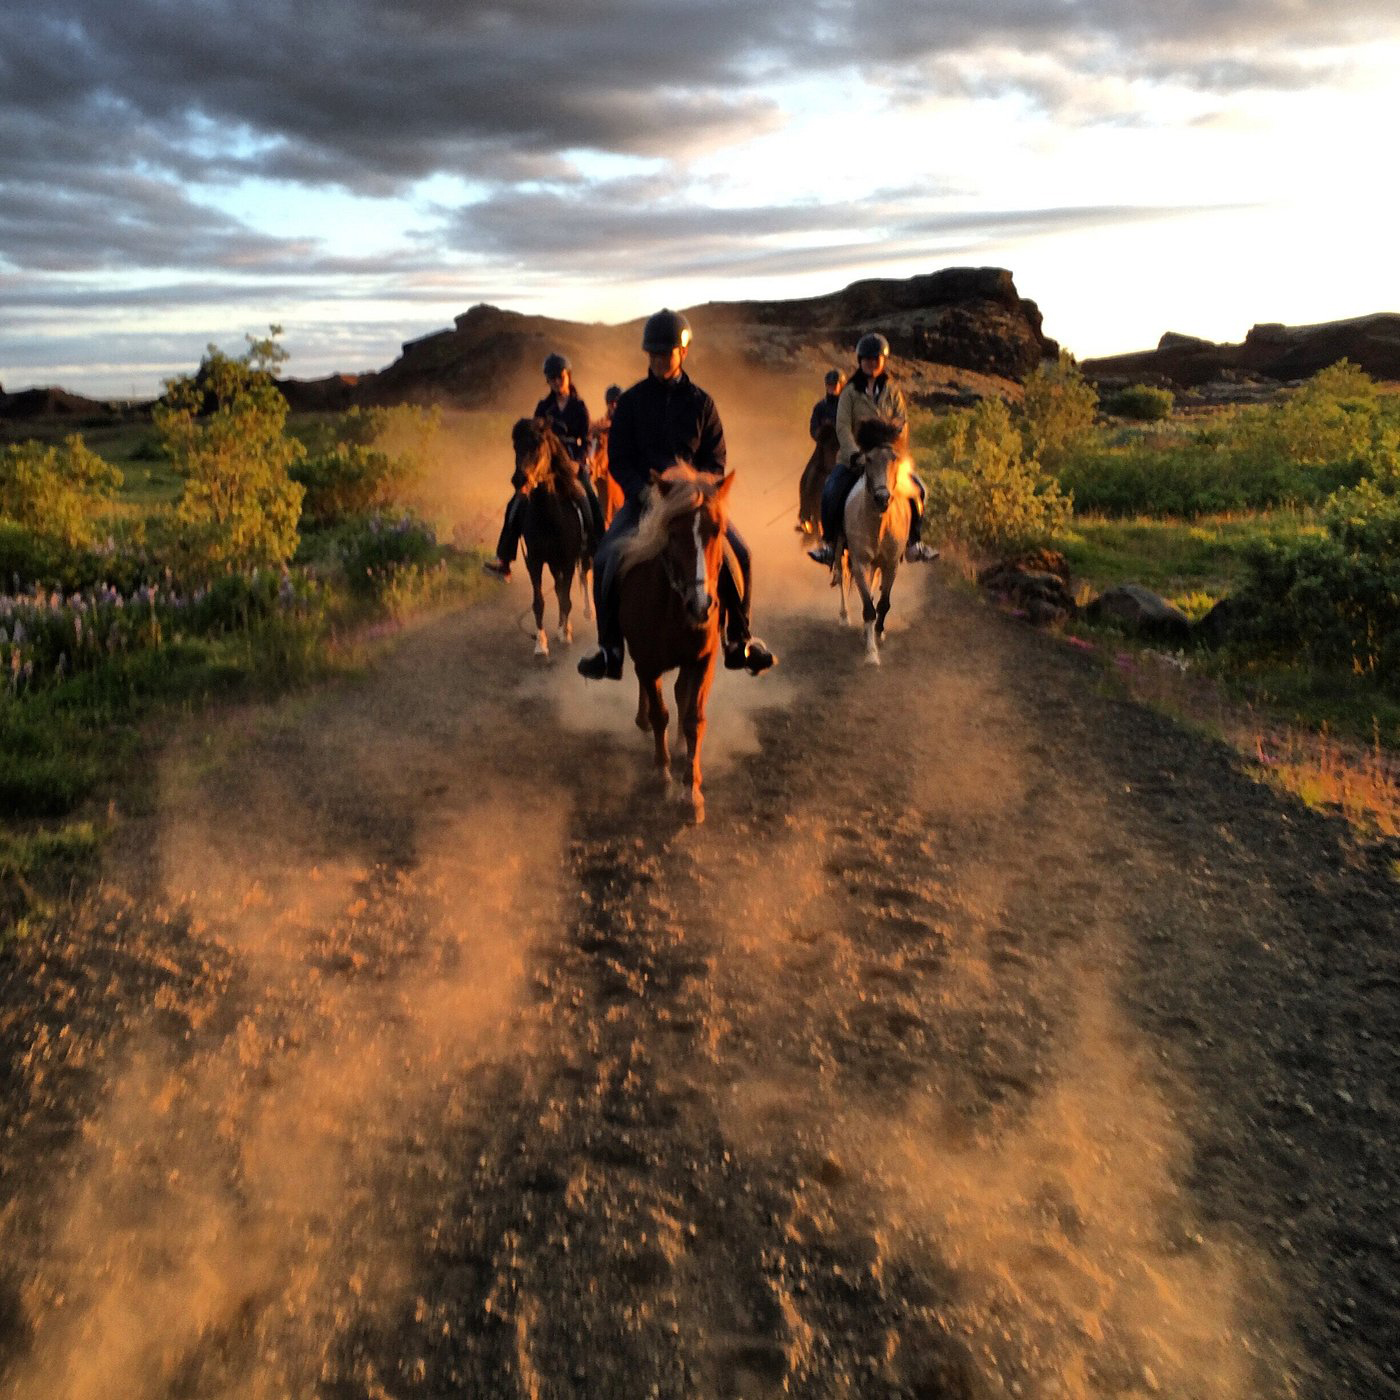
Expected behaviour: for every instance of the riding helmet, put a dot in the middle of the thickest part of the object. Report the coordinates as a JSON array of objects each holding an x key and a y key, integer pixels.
[
  {"x": 612, "y": 393},
  {"x": 833, "y": 377},
  {"x": 555, "y": 364},
  {"x": 871, "y": 346},
  {"x": 666, "y": 330}
]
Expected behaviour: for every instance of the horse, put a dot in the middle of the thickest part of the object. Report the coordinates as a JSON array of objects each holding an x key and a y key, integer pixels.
[
  {"x": 609, "y": 492},
  {"x": 814, "y": 475},
  {"x": 553, "y": 528},
  {"x": 669, "y": 600},
  {"x": 877, "y": 528}
]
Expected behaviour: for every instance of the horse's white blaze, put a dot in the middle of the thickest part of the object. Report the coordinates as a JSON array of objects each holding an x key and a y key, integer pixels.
[{"x": 701, "y": 596}]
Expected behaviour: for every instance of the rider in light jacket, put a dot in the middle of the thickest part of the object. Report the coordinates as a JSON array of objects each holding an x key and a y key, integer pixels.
[{"x": 870, "y": 394}]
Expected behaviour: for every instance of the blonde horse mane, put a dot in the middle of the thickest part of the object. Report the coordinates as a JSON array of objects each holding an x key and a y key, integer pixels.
[{"x": 686, "y": 489}]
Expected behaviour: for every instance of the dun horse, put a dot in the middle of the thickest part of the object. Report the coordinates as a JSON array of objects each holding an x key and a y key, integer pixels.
[
  {"x": 609, "y": 492},
  {"x": 553, "y": 531},
  {"x": 877, "y": 529},
  {"x": 669, "y": 598}
]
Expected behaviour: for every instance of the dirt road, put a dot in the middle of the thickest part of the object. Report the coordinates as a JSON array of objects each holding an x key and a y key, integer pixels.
[{"x": 993, "y": 1038}]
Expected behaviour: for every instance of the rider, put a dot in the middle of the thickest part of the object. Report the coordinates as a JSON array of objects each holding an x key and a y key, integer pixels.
[
  {"x": 565, "y": 414},
  {"x": 598, "y": 432},
  {"x": 661, "y": 420},
  {"x": 824, "y": 410},
  {"x": 870, "y": 394}
]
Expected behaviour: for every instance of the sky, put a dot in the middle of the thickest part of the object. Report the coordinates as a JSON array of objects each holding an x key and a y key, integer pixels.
[{"x": 359, "y": 172}]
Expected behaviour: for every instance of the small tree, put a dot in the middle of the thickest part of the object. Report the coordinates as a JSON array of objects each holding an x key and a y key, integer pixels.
[
  {"x": 224, "y": 429},
  {"x": 57, "y": 492},
  {"x": 1057, "y": 412},
  {"x": 992, "y": 495}
]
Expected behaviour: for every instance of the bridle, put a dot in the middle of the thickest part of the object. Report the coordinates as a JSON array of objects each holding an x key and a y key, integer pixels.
[{"x": 696, "y": 587}]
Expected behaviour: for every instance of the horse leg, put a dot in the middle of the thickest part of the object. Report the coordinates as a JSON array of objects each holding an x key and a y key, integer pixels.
[
  {"x": 867, "y": 610},
  {"x": 692, "y": 691},
  {"x": 882, "y": 610},
  {"x": 844, "y": 588},
  {"x": 652, "y": 712},
  {"x": 585, "y": 579},
  {"x": 537, "y": 602},
  {"x": 563, "y": 592}
]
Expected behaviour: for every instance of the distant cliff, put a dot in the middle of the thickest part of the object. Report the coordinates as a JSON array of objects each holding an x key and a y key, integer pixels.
[
  {"x": 1270, "y": 353},
  {"x": 957, "y": 334}
]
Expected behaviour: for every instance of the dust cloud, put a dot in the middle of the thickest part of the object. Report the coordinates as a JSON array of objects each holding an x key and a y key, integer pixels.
[{"x": 226, "y": 1213}]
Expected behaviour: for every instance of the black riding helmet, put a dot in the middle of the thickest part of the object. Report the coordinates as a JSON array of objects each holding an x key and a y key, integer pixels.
[
  {"x": 555, "y": 364},
  {"x": 833, "y": 378},
  {"x": 871, "y": 346},
  {"x": 612, "y": 393},
  {"x": 666, "y": 330}
]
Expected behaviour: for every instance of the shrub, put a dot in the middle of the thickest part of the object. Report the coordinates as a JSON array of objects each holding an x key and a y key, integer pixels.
[
  {"x": 992, "y": 496},
  {"x": 1141, "y": 402},
  {"x": 374, "y": 549},
  {"x": 225, "y": 432},
  {"x": 1057, "y": 412},
  {"x": 1335, "y": 600},
  {"x": 57, "y": 492}
]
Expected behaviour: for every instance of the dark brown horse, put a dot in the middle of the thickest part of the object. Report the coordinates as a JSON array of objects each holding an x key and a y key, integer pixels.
[
  {"x": 814, "y": 475},
  {"x": 669, "y": 596},
  {"x": 553, "y": 530}
]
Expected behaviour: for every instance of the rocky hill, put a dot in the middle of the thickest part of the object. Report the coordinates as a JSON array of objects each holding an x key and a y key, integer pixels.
[
  {"x": 959, "y": 334},
  {"x": 1269, "y": 355}
]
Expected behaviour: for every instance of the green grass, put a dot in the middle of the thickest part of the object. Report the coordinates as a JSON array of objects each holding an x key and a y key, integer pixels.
[
  {"x": 38, "y": 867},
  {"x": 1192, "y": 563}
]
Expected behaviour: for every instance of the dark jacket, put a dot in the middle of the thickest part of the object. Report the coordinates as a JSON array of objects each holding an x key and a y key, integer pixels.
[
  {"x": 823, "y": 412},
  {"x": 659, "y": 422},
  {"x": 570, "y": 423}
]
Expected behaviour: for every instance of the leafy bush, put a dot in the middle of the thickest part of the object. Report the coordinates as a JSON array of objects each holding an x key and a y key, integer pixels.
[
  {"x": 1057, "y": 412},
  {"x": 991, "y": 495},
  {"x": 225, "y": 432},
  {"x": 57, "y": 492},
  {"x": 1141, "y": 402},
  {"x": 1333, "y": 601},
  {"x": 374, "y": 549}
]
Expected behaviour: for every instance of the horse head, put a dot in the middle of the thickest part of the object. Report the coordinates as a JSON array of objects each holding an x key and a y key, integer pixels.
[
  {"x": 538, "y": 453},
  {"x": 689, "y": 515},
  {"x": 882, "y": 462}
]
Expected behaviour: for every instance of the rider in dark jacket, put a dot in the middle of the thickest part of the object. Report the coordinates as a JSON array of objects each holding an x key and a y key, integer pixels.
[
  {"x": 661, "y": 420},
  {"x": 567, "y": 416},
  {"x": 824, "y": 410}
]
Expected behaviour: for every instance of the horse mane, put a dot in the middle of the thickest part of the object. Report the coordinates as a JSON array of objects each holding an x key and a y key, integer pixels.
[
  {"x": 877, "y": 432},
  {"x": 528, "y": 432},
  {"x": 686, "y": 489}
]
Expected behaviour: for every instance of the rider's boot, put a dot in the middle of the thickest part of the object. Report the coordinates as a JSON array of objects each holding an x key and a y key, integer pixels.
[
  {"x": 919, "y": 553},
  {"x": 824, "y": 553},
  {"x": 498, "y": 569},
  {"x": 603, "y": 664},
  {"x": 752, "y": 656}
]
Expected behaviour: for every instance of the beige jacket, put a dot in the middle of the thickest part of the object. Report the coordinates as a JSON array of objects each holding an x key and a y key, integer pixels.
[{"x": 856, "y": 405}]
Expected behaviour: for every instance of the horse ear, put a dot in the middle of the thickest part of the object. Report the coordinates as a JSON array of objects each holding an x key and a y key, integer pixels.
[
  {"x": 660, "y": 483},
  {"x": 722, "y": 490}
]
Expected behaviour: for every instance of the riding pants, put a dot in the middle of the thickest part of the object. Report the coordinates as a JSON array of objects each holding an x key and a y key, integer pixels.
[
  {"x": 734, "y": 595},
  {"x": 838, "y": 487}
]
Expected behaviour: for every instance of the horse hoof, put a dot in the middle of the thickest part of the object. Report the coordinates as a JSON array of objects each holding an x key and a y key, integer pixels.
[
  {"x": 872, "y": 658},
  {"x": 565, "y": 634},
  {"x": 542, "y": 645}
]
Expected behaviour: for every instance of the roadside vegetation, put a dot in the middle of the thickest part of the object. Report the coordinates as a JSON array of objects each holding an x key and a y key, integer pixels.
[
  {"x": 241, "y": 559},
  {"x": 1289, "y": 509}
]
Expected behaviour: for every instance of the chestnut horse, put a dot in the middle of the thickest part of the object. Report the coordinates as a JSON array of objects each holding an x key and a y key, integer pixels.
[
  {"x": 609, "y": 492},
  {"x": 553, "y": 530},
  {"x": 877, "y": 529},
  {"x": 669, "y": 597}
]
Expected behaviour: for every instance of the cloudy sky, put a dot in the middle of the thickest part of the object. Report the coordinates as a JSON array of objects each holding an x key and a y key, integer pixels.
[{"x": 360, "y": 171}]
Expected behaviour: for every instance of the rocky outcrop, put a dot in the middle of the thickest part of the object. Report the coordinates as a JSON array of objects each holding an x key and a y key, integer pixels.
[
  {"x": 1142, "y": 612},
  {"x": 959, "y": 335},
  {"x": 52, "y": 403},
  {"x": 1270, "y": 354}
]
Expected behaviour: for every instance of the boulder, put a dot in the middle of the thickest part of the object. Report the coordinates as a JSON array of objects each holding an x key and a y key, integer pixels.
[
  {"x": 1142, "y": 612},
  {"x": 1220, "y": 623},
  {"x": 1037, "y": 583}
]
